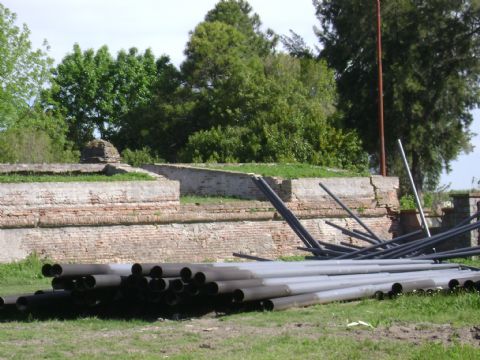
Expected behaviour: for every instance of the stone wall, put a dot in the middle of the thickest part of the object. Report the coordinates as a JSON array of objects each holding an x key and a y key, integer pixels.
[
  {"x": 358, "y": 192},
  {"x": 144, "y": 221},
  {"x": 78, "y": 203},
  {"x": 192, "y": 233},
  {"x": 465, "y": 205}
]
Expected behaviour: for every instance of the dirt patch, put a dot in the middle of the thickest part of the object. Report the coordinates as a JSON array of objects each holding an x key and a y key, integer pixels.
[{"x": 420, "y": 333}]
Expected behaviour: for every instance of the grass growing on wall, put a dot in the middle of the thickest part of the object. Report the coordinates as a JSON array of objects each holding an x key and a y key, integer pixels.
[
  {"x": 71, "y": 177},
  {"x": 286, "y": 171}
]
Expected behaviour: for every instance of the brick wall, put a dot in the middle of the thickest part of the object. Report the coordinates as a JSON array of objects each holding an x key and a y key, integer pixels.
[
  {"x": 358, "y": 192},
  {"x": 181, "y": 241},
  {"x": 143, "y": 221}
]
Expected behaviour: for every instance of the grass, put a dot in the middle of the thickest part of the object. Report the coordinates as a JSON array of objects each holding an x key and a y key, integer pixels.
[
  {"x": 71, "y": 177},
  {"x": 287, "y": 171},
  {"x": 409, "y": 327}
]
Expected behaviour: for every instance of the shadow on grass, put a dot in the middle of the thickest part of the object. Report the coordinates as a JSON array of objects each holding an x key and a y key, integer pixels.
[{"x": 130, "y": 310}]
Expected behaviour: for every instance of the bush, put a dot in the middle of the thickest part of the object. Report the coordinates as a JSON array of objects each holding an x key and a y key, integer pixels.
[
  {"x": 31, "y": 145},
  {"x": 140, "y": 157}
]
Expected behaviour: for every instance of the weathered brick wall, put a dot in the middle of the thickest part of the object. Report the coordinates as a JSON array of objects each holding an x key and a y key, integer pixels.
[
  {"x": 84, "y": 203},
  {"x": 143, "y": 221},
  {"x": 211, "y": 182},
  {"x": 181, "y": 241},
  {"x": 465, "y": 205},
  {"x": 358, "y": 192}
]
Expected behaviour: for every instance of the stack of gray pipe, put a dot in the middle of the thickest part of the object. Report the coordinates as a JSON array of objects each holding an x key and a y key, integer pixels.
[{"x": 273, "y": 285}]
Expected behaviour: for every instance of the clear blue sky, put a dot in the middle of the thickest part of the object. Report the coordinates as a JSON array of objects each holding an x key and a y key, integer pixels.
[{"x": 164, "y": 25}]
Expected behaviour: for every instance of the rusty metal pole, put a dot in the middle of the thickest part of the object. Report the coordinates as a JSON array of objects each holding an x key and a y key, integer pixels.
[{"x": 383, "y": 165}]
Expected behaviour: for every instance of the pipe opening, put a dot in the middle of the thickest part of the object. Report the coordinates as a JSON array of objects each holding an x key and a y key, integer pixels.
[
  {"x": 47, "y": 270},
  {"x": 453, "y": 284},
  {"x": 211, "y": 288},
  {"x": 137, "y": 269},
  {"x": 89, "y": 282},
  {"x": 379, "y": 295},
  {"x": 186, "y": 274},
  {"x": 157, "y": 284},
  {"x": 238, "y": 295},
  {"x": 469, "y": 285},
  {"x": 156, "y": 272},
  {"x": 177, "y": 285},
  {"x": 56, "y": 270},
  {"x": 22, "y": 303},
  {"x": 397, "y": 288},
  {"x": 200, "y": 278},
  {"x": 268, "y": 305}
]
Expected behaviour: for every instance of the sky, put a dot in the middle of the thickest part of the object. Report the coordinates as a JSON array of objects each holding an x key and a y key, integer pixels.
[{"x": 164, "y": 27}]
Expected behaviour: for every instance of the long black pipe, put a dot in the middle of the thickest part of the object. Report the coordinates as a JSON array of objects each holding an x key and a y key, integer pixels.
[
  {"x": 289, "y": 217},
  {"x": 33, "y": 302},
  {"x": 430, "y": 241},
  {"x": 416, "y": 243},
  {"x": 350, "y": 212},
  {"x": 351, "y": 233}
]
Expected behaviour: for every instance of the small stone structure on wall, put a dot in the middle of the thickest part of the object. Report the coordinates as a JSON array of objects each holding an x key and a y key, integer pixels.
[
  {"x": 143, "y": 221},
  {"x": 464, "y": 205}
]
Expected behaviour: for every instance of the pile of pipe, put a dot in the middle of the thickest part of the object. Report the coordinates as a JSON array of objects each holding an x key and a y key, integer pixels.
[
  {"x": 230, "y": 287},
  {"x": 419, "y": 245}
]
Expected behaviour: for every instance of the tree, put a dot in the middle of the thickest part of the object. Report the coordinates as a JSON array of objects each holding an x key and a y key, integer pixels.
[
  {"x": 37, "y": 137},
  {"x": 252, "y": 104},
  {"x": 94, "y": 91},
  {"x": 431, "y": 64},
  {"x": 238, "y": 14},
  {"x": 23, "y": 71}
]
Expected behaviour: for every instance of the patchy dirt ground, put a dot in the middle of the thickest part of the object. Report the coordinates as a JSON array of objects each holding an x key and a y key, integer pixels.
[{"x": 213, "y": 330}]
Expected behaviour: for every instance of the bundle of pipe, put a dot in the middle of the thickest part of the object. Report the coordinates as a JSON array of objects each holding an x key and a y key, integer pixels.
[
  {"x": 271, "y": 285},
  {"x": 399, "y": 247}
]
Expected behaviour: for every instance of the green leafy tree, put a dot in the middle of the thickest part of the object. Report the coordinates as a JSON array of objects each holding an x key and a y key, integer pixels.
[
  {"x": 238, "y": 14},
  {"x": 431, "y": 70},
  {"x": 23, "y": 71},
  {"x": 94, "y": 91}
]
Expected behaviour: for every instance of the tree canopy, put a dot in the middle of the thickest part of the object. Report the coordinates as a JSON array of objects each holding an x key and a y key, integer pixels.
[
  {"x": 23, "y": 70},
  {"x": 431, "y": 64}
]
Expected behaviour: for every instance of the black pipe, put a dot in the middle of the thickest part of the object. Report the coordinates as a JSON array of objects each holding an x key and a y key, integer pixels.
[
  {"x": 102, "y": 281},
  {"x": 206, "y": 276},
  {"x": 222, "y": 287},
  {"x": 289, "y": 217},
  {"x": 351, "y": 233},
  {"x": 89, "y": 269},
  {"x": 177, "y": 285},
  {"x": 430, "y": 241},
  {"x": 169, "y": 270},
  {"x": 160, "y": 284},
  {"x": 33, "y": 302},
  {"x": 47, "y": 270},
  {"x": 350, "y": 212},
  {"x": 417, "y": 244}
]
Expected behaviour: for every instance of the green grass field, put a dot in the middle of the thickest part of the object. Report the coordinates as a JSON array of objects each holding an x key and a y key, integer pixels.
[
  {"x": 71, "y": 177},
  {"x": 287, "y": 171},
  {"x": 440, "y": 326}
]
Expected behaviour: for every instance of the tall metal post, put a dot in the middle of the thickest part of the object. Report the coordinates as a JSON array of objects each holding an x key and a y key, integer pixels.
[
  {"x": 383, "y": 165},
  {"x": 417, "y": 199}
]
